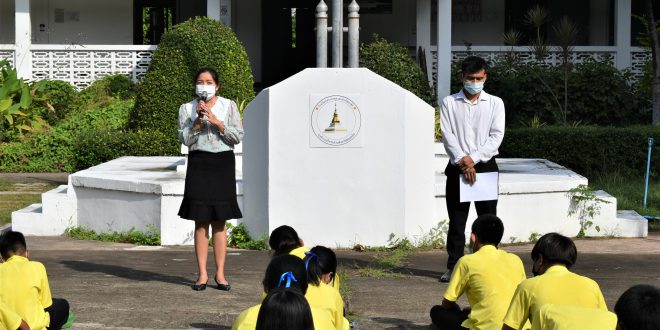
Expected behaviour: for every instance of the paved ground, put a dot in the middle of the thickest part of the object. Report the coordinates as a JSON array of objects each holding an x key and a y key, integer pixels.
[{"x": 120, "y": 286}]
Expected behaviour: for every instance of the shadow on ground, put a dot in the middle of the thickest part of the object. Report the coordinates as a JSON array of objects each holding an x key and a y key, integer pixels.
[
  {"x": 124, "y": 272},
  {"x": 208, "y": 326}
]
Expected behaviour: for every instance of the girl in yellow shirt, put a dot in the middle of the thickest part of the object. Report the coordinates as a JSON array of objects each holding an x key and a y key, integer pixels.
[
  {"x": 284, "y": 240},
  {"x": 321, "y": 265}
]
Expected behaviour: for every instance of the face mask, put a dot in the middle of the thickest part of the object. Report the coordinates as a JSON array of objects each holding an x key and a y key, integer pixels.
[
  {"x": 473, "y": 88},
  {"x": 205, "y": 91}
]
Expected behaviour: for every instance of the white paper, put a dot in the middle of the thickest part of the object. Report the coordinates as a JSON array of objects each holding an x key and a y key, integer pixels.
[{"x": 485, "y": 188}]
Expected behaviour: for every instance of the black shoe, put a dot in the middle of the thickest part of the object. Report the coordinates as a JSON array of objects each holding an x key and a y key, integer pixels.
[
  {"x": 199, "y": 287},
  {"x": 223, "y": 287},
  {"x": 446, "y": 276}
]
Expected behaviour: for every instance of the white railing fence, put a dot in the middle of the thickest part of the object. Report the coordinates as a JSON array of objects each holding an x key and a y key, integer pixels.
[{"x": 7, "y": 53}]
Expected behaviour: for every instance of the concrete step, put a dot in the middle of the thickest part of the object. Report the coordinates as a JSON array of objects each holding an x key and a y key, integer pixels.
[
  {"x": 27, "y": 218},
  {"x": 53, "y": 199},
  {"x": 56, "y": 212},
  {"x": 632, "y": 224}
]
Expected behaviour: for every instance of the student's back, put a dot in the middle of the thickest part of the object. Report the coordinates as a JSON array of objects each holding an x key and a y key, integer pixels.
[
  {"x": 567, "y": 317},
  {"x": 327, "y": 300},
  {"x": 24, "y": 289}
]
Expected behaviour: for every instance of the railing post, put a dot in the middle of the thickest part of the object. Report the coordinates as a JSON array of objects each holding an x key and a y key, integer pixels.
[
  {"x": 337, "y": 33},
  {"x": 321, "y": 35},
  {"x": 353, "y": 35}
]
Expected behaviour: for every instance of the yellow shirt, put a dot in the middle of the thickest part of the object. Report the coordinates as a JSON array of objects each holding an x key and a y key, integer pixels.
[
  {"x": 488, "y": 278},
  {"x": 556, "y": 286},
  {"x": 8, "y": 319},
  {"x": 299, "y": 252},
  {"x": 24, "y": 289},
  {"x": 325, "y": 298},
  {"x": 247, "y": 320},
  {"x": 566, "y": 317}
]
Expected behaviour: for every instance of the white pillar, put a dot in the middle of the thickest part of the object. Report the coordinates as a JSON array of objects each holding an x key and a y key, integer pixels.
[
  {"x": 622, "y": 19},
  {"x": 23, "y": 39},
  {"x": 423, "y": 28},
  {"x": 213, "y": 9},
  {"x": 444, "y": 49}
]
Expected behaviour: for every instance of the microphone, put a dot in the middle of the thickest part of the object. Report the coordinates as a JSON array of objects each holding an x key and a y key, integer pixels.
[{"x": 202, "y": 97}]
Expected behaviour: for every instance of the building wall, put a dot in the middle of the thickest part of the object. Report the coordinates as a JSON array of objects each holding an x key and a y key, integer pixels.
[
  {"x": 486, "y": 32},
  {"x": 247, "y": 25},
  {"x": 7, "y": 21},
  {"x": 85, "y": 22},
  {"x": 398, "y": 26}
]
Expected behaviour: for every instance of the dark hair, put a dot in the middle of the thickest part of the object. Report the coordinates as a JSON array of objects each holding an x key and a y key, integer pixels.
[
  {"x": 12, "y": 243},
  {"x": 555, "y": 249},
  {"x": 282, "y": 264},
  {"x": 473, "y": 64},
  {"x": 283, "y": 239},
  {"x": 489, "y": 229},
  {"x": 214, "y": 74},
  {"x": 639, "y": 308},
  {"x": 318, "y": 261},
  {"x": 285, "y": 309}
]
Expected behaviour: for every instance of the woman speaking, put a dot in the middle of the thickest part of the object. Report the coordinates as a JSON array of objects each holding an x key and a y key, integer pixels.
[{"x": 210, "y": 126}]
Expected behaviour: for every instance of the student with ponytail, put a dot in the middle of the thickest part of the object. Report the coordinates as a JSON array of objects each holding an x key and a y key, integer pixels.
[{"x": 321, "y": 264}]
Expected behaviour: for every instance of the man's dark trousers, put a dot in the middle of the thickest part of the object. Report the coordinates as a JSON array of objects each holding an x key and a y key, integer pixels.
[{"x": 458, "y": 212}]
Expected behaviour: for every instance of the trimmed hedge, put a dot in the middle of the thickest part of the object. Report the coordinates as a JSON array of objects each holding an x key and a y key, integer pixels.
[
  {"x": 392, "y": 61},
  {"x": 169, "y": 82},
  {"x": 588, "y": 150}
]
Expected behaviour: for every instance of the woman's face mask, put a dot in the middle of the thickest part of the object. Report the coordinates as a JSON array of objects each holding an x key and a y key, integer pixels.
[{"x": 205, "y": 92}]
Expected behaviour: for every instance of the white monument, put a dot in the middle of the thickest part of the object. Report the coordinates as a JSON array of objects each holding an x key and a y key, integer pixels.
[{"x": 344, "y": 156}]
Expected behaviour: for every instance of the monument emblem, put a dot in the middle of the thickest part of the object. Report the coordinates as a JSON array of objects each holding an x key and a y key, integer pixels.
[{"x": 335, "y": 121}]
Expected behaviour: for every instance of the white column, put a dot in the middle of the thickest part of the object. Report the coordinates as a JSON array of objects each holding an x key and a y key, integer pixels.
[
  {"x": 622, "y": 18},
  {"x": 23, "y": 39},
  {"x": 225, "y": 12},
  {"x": 444, "y": 49},
  {"x": 213, "y": 9},
  {"x": 424, "y": 31}
]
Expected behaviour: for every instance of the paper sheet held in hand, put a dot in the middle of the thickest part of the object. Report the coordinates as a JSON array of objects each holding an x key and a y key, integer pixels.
[{"x": 486, "y": 188}]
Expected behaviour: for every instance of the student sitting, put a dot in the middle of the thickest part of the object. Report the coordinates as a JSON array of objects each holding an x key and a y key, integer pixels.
[
  {"x": 321, "y": 264},
  {"x": 553, "y": 256},
  {"x": 488, "y": 277},
  {"x": 639, "y": 308},
  {"x": 289, "y": 272},
  {"x": 285, "y": 309},
  {"x": 567, "y": 317},
  {"x": 284, "y": 240},
  {"x": 24, "y": 286},
  {"x": 10, "y": 320}
]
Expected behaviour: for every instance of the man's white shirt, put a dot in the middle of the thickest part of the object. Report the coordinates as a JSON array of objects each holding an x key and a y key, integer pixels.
[{"x": 472, "y": 129}]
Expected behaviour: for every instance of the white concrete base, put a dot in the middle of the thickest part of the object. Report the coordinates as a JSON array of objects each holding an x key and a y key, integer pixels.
[{"x": 133, "y": 192}]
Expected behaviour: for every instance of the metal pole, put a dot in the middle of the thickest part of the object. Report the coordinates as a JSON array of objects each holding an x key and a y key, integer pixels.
[
  {"x": 337, "y": 33},
  {"x": 648, "y": 170},
  {"x": 353, "y": 35},
  {"x": 321, "y": 35}
]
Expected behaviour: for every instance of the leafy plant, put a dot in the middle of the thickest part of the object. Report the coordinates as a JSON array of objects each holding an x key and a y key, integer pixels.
[
  {"x": 586, "y": 205},
  {"x": 151, "y": 237},
  {"x": 15, "y": 100},
  {"x": 239, "y": 237},
  {"x": 534, "y": 237}
]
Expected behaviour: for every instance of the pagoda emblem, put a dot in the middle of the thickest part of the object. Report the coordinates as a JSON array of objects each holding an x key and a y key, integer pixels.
[{"x": 335, "y": 124}]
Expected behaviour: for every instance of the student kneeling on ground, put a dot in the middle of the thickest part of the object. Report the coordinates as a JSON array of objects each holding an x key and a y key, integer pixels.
[
  {"x": 24, "y": 286},
  {"x": 553, "y": 256},
  {"x": 488, "y": 277}
]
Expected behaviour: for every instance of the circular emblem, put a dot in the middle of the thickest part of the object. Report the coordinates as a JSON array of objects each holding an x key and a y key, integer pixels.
[{"x": 336, "y": 120}]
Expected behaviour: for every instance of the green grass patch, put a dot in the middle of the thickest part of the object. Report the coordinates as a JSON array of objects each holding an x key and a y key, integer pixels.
[
  {"x": 239, "y": 237},
  {"x": 152, "y": 237},
  {"x": 629, "y": 193},
  {"x": 10, "y": 203}
]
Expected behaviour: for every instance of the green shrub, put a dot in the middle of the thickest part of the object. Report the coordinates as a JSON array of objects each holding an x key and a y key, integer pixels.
[
  {"x": 53, "y": 100},
  {"x": 120, "y": 86},
  {"x": 132, "y": 236},
  {"x": 588, "y": 150},
  {"x": 170, "y": 80},
  {"x": 15, "y": 101},
  {"x": 240, "y": 238},
  {"x": 392, "y": 61}
]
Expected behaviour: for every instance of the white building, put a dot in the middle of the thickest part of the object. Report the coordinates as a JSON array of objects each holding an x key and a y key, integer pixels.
[{"x": 81, "y": 40}]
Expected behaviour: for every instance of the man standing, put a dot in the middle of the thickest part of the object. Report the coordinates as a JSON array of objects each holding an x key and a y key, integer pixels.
[{"x": 472, "y": 124}]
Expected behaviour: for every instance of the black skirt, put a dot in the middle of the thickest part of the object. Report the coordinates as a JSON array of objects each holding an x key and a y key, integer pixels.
[{"x": 210, "y": 191}]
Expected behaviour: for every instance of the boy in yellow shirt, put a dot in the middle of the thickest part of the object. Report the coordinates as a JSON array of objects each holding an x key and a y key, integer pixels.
[
  {"x": 24, "y": 286},
  {"x": 488, "y": 277},
  {"x": 639, "y": 308},
  {"x": 10, "y": 320},
  {"x": 553, "y": 283}
]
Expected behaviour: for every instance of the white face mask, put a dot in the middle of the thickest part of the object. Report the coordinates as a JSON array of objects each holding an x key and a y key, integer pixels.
[{"x": 205, "y": 92}]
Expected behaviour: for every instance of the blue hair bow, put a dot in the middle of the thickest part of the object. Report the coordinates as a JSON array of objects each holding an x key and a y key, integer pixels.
[
  {"x": 310, "y": 255},
  {"x": 288, "y": 276}
]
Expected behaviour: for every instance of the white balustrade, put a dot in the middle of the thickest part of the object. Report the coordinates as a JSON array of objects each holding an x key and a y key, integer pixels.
[
  {"x": 82, "y": 65},
  {"x": 7, "y": 53}
]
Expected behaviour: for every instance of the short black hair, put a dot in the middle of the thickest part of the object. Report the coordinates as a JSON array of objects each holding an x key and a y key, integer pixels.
[
  {"x": 473, "y": 64},
  {"x": 639, "y": 308},
  {"x": 282, "y": 264},
  {"x": 214, "y": 74},
  {"x": 555, "y": 249},
  {"x": 285, "y": 309},
  {"x": 12, "y": 243},
  {"x": 320, "y": 260},
  {"x": 283, "y": 239},
  {"x": 489, "y": 229}
]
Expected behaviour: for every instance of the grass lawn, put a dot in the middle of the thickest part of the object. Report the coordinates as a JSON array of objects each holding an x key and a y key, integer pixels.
[
  {"x": 629, "y": 193},
  {"x": 26, "y": 194}
]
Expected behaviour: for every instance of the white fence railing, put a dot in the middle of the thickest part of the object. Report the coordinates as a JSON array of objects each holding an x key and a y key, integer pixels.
[
  {"x": 82, "y": 65},
  {"x": 7, "y": 53},
  {"x": 526, "y": 55}
]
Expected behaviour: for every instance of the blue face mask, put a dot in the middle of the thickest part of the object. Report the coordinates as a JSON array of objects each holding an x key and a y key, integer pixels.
[{"x": 473, "y": 88}]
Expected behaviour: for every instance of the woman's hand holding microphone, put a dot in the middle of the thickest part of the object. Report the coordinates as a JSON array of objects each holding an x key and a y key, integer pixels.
[{"x": 205, "y": 115}]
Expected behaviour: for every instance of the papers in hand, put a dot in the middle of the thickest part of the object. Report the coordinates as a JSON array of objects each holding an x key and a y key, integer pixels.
[{"x": 485, "y": 188}]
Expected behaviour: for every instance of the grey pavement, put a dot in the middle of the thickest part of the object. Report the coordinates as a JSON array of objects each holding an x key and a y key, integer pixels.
[{"x": 121, "y": 286}]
